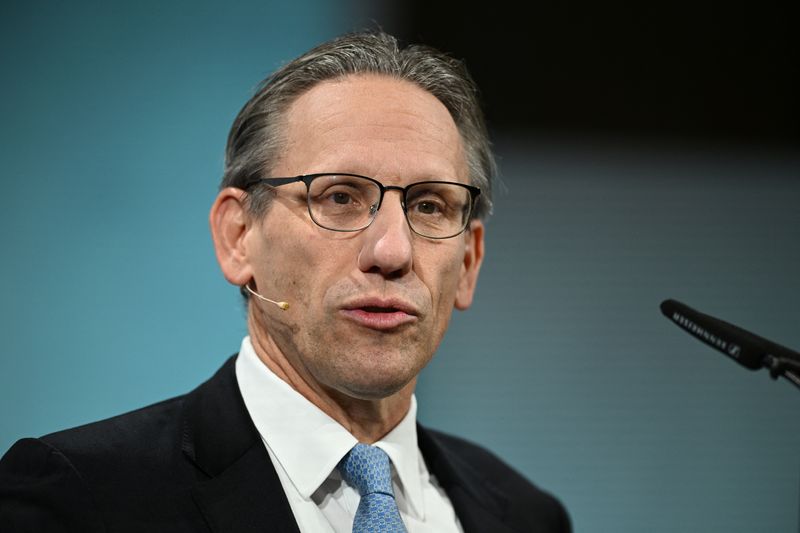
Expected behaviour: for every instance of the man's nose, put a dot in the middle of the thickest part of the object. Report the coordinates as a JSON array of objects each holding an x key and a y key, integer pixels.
[{"x": 387, "y": 246}]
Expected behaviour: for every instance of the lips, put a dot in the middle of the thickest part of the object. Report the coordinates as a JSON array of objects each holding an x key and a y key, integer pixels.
[{"x": 380, "y": 314}]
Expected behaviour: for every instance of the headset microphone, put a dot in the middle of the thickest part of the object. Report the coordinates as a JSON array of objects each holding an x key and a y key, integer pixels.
[{"x": 282, "y": 305}]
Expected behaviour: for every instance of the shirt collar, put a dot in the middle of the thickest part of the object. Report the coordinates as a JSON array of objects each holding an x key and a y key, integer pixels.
[
  {"x": 307, "y": 442},
  {"x": 400, "y": 444}
]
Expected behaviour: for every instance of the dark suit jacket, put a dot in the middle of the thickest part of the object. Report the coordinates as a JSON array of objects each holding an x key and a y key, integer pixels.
[{"x": 196, "y": 463}]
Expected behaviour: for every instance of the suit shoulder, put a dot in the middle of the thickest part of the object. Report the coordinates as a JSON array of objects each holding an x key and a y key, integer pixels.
[
  {"x": 131, "y": 472},
  {"x": 147, "y": 431},
  {"x": 481, "y": 459},
  {"x": 40, "y": 490},
  {"x": 524, "y": 497}
]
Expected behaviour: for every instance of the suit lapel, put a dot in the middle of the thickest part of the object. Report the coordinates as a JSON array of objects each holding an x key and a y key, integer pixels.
[
  {"x": 243, "y": 492},
  {"x": 243, "y": 498},
  {"x": 479, "y": 506}
]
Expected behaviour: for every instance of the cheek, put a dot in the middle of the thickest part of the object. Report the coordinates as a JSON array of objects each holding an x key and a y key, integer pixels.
[
  {"x": 443, "y": 286},
  {"x": 442, "y": 280},
  {"x": 280, "y": 267},
  {"x": 313, "y": 266},
  {"x": 297, "y": 273}
]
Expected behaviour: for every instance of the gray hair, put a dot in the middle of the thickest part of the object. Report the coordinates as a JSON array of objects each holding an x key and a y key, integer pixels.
[{"x": 257, "y": 137}]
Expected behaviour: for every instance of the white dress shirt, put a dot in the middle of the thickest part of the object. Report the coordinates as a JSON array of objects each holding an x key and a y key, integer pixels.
[{"x": 305, "y": 445}]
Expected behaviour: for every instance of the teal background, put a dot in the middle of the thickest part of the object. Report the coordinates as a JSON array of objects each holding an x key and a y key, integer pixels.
[{"x": 114, "y": 118}]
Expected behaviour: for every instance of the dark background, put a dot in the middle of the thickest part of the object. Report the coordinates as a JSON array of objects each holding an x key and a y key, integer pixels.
[{"x": 661, "y": 69}]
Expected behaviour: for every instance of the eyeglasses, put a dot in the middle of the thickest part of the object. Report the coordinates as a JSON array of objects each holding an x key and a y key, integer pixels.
[{"x": 349, "y": 202}]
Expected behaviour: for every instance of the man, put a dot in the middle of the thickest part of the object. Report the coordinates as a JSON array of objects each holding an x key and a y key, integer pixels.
[{"x": 355, "y": 186}]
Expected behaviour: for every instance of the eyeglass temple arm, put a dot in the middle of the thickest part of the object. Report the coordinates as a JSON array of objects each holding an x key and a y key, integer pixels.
[{"x": 275, "y": 182}]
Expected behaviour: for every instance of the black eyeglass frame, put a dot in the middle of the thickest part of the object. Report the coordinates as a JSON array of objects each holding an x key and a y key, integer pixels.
[{"x": 474, "y": 192}]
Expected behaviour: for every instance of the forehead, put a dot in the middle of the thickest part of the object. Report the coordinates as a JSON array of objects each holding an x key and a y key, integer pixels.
[{"x": 375, "y": 125}]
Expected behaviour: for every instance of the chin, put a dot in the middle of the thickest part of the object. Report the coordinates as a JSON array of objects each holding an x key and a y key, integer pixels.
[
  {"x": 375, "y": 374},
  {"x": 373, "y": 390}
]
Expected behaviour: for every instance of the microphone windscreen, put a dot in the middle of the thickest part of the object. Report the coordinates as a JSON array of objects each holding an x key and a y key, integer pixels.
[{"x": 742, "y": 346}]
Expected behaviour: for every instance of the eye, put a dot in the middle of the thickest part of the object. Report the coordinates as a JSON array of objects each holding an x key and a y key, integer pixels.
[
  {"x": 427, "y": 207},
  {"x": 428, "y": 202},
  {"x": 341, "y": 198}
]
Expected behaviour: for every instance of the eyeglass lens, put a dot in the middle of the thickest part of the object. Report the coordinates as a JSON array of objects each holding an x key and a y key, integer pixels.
[{"x": 349, "y": 203}]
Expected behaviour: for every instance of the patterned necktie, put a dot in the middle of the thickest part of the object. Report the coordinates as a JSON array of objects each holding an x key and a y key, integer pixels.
[{"x": 367, "y": 469}]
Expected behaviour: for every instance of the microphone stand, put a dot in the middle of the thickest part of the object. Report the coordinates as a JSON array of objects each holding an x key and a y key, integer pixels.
[
  {"x": 749, "y": 350},
  {"x": 781, "y": 366}
]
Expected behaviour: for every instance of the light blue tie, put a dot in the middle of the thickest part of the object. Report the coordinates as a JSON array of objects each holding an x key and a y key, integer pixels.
[{"x": 367, "y": 469}]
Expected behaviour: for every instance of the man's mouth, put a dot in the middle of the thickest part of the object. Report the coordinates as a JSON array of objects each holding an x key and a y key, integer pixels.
[
  {"x": 376, "y": 309},
  {"x": 382, "y": 316}
]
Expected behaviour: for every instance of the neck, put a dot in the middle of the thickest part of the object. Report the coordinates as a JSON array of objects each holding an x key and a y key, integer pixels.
[{"x": 368, "y": 420}]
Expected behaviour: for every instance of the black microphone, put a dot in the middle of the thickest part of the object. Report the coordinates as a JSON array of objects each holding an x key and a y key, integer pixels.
[
  {"x": 747, "y": 349},
  {"x": 283, "y": 305}
]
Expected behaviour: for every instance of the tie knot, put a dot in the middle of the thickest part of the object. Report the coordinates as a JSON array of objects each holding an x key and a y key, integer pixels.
[{"x": 367, "y": 468}]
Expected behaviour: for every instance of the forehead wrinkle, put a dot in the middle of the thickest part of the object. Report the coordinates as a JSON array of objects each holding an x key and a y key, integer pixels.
[
  {"x": 445, "y": 148},
  {"x": 394, "y": 134},
  {"x": 332, "y": 121},
  {"x": 353, "y": 152},
  {"x": 351, "y": 156}
]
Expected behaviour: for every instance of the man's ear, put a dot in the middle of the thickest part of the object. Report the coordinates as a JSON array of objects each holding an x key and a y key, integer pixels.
[
  {"x": 229, "y": 223},
  {"x": 473, "y": 257}
]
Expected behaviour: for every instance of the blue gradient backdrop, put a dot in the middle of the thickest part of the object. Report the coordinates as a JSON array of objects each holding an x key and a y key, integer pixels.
[{"x": 114, "y": 118}]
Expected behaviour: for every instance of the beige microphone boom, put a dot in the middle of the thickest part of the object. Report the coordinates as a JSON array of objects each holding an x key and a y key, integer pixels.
[{"x": 282, "y": 305}]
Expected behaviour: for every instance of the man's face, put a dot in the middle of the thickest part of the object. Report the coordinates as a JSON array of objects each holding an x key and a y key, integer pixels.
[{"x": 369, "y": 308}]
